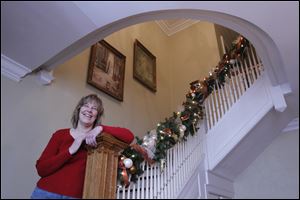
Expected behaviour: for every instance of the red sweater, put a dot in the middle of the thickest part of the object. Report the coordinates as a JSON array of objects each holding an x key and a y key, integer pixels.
[{"x": 63, "y": 173}]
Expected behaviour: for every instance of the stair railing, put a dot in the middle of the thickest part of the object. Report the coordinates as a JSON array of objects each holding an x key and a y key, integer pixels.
[
  {"x": 243, "y": 75},
  {"x": 166, "y": 182}
]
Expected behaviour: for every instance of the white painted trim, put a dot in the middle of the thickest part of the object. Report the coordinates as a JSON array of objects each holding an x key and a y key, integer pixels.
[
  {"x": 219, "y": 181},
  {"x": 212, "y": 189},
  {"x": 278, "y": 98},
  {"x": 219, "y": 146},
  {"x": 293, "y": 125},
  {"x": 45, "y": 77},
  {"x": 285, "y": 88},
  {"x": 12, "y": 69},
  {"x": 171, "y": 30}
]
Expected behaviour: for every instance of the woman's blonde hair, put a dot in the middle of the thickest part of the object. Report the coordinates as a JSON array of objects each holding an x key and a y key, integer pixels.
[{"x": 84, "y": 100}]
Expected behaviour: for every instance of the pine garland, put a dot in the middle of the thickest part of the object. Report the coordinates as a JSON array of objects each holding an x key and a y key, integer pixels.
[{"x": 183, "y": 123}]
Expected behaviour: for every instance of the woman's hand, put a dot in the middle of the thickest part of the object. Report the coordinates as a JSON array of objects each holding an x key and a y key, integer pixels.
[
  {"x": 77, "y": 142},
  {"x": 90, "y": 138}
]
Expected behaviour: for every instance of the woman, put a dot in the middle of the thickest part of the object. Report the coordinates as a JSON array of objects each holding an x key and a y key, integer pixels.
[{"x": 62, "y": 163}]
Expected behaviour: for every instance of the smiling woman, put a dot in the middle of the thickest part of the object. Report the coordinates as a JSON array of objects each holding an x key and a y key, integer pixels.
[{"x": 62, "y": 163}]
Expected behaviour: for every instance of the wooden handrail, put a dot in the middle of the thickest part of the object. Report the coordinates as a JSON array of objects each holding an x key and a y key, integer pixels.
[{"x": 101, "y": 168}]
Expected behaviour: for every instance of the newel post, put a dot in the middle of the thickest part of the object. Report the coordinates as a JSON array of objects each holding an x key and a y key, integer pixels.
[{"x": 101, "y": 168}]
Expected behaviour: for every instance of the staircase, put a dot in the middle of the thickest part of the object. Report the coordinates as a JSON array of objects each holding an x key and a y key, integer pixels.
[{"x": 235, "y": 131}]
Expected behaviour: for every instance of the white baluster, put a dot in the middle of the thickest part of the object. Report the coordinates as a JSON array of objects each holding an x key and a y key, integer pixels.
[
  {"x": 123, "y": 192},
  {"x": 128, "y": 191},
  {"x": 236, "y": 81},
  {"x": 241, "y": 77},
  {"x": 213, "y": 106},
  {"x": 158, "y": 182},
  {"x": 138, "y": 184},
  {"x": 216, "y": 96},
  {"x": 221, "y": 105},
  {"x": 143, "y": 182},
  {"x": 155, "y": 181},
  {"x": 206, "y": 116},
  {"x": 151, "y": 182},
  {"x": 254, "y": 61},
  {"x": 147, "y": 181},
  {"x": 232, "y": 86},
  {"x": 244, "y": 75},
  {"x": 133, "y": 191},
  {"x": 118, "y": 192}
]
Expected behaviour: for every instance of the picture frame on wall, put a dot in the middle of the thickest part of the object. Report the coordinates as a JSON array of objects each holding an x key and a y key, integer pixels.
[
  {"x": 144, "y": 66},
  {"x": 106, "y": 69}
]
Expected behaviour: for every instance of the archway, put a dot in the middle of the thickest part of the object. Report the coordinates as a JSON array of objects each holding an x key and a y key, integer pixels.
[{"x": 263, "y": 43}]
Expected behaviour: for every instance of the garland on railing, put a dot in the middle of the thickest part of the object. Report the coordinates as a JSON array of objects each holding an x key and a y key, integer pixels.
[{"x": 154, "y": 145}]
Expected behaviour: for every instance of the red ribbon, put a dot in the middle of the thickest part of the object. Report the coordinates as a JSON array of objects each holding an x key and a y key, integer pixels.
[
  {"x": 143, "y": 152},
  {"x": 124, "y": 173}
]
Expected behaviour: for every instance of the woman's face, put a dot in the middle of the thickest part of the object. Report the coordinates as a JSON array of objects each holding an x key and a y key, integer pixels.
[{"x": 88, "y": 113}]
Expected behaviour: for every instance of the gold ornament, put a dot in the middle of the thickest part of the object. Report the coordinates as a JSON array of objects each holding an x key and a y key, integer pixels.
[
  {"x": 132, "y": 170},
  {"x": 175, "y": 137},
  {"x": 168, "y": 131}
]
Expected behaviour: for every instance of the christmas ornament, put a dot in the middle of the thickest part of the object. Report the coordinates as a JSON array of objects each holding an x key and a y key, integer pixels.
[
  {"x": 127, "y": 162},
  {"x": 175, "y": 137},
  {"x": 184, "y": 118},
  {"x": 182, "y": 128},
  {"x": 168, "y": 131},
  {"x": 149, "y": 142},
  {"x": 195, "y": 85},
  {"x": 132, "y": 170}
]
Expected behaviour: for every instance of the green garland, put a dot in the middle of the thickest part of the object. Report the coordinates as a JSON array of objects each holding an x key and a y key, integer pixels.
[{"x": 181, "y": 124}]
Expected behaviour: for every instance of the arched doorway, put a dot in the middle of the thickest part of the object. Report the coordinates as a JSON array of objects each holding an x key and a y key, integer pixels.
[{"x": 263, "y": 43}]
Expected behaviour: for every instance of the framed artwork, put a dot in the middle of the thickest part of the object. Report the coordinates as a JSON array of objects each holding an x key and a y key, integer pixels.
[
  {"x": 107, "y": 69},
  {"x": 144, "y": 66}
]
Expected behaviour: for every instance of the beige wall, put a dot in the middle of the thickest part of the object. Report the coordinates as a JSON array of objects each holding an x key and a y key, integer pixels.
[
  {"x": 193, "y": 53},
  {"x": 30, "y": 112}
]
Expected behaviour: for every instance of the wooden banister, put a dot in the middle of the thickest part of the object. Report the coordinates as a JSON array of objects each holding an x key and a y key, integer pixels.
[{"x": 101, "y": 168}]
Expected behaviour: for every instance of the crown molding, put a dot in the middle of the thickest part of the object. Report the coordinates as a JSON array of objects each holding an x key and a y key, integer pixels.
[
  {"x": 293, "y": 125},
  {"x": 175, "y": 27},
  {"x": 12, "y": 69}
]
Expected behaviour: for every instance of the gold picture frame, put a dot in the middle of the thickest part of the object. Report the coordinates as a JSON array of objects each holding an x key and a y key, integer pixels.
[
  {"x": 106, "y": 69},
  {"x": 144, "y": 66}
]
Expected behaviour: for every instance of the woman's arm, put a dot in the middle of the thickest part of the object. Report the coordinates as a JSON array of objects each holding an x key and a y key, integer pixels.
[
  {"x": 121, "y": 133},
  {"x": 51, "y": 158}
]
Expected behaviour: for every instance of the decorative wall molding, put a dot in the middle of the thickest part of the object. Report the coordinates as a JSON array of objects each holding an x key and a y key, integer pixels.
[
  {"x": 12, "y": 69},
  {"x": 170, "y": 27},
  {"x": 278, "y": 98},
  {"x": 293, "y": 125},
  {"x": 45, "y": 77}
]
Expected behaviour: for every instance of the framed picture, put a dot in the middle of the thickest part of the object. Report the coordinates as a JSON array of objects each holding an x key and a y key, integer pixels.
[
  {"x": 144, "y": 66},
  {"x": 107, "y": 69}
]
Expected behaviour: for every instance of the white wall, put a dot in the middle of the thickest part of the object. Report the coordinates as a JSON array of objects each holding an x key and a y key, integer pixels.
[{"x": 275, "y": 172}]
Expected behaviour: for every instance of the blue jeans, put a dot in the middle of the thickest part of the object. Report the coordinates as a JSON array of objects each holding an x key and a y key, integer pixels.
[{"x": 43, "y": 194}]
